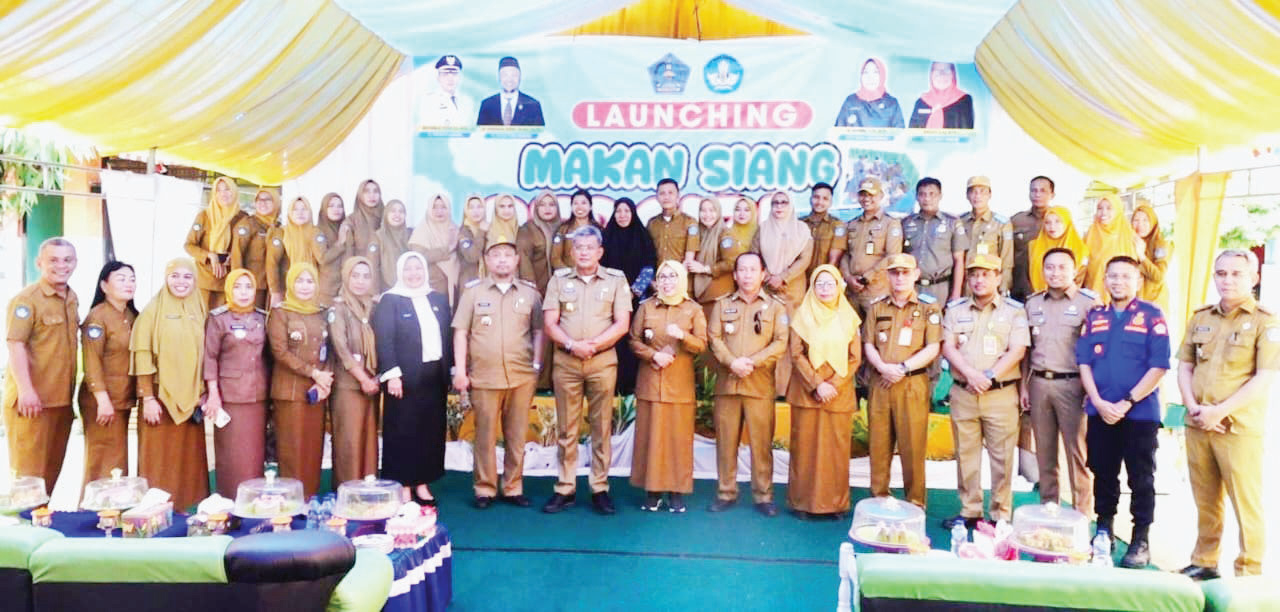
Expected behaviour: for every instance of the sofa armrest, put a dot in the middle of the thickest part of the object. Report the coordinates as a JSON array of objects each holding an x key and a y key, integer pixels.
[
  {"x": 127, "y": 560},
  {"x": 1240, "y": 594},
  {"x": 366, "y": 587},
  {"x": 18, "y": 542}
]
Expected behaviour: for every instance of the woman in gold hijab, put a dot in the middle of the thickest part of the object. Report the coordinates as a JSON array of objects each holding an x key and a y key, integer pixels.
[
  {"x": 1109, "y": 236},
  {"x": 389, "y": 243},
  {"x": 1153, "y": 257},
  {"x": 251, "y": 239},
  {"x": 332, "y": 214},
  {"x": 167, "y": 348},
  {"x": 667, "y": 332},
  {"x": 358, "y": 230},
  {"x": 734, "y": 240},
  {"x": 209, "y": 241},
  {"x": 301, "y": 378},
  {"x": 826, "y": 348},
  {"x": 1057, "y": 231},
  {"x": 471, "y": 239},
  {"x": 299, "y": 241},
  {"x": 355, "y": 386}
]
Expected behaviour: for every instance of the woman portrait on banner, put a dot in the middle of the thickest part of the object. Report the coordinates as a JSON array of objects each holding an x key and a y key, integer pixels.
[
  {"x": 1153, "y": 256},
  {"x": 389, "y": 243},
  {"x": 358, "y": 230},
  {"x": 301, "y": 379},
  {"x": 299, "y": 241},
  {"x": 475, "y": 226},
  {"x": 826, "y": 349},
  {"x": 332, "y": 214},
  {"x": 945, "y": 105},
  {"x": 1057, "y": 231},
  {"x": 411, "y": 322},
  {"x": 535, "y": 239},
  {"x": 714, "y": 275},
  {"x": 580, "y": 215},
  {"x": 628, "y": 247},
  {"x": 108, "y": 393},
  {"x": 667, "y": 333},
  {"x": 1109, "y": 236},
  {"x": 871, "y": 106},
  {"x": 209, "y": 240},
  {"x": 251, "y": 239},
  {"x": 167, "y": 348},
  {"x": 354, "y": 402},
  {"x": 436, "y": 238},
  {"x": 238, "y": 379}
]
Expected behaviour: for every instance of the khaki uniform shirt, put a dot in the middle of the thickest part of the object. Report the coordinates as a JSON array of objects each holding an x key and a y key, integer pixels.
[
  {"x": 673, "y": 238},
  {"x": 934, "y": 243},
  {"x": 828, "y": 233},
  {"x": 250, "y": 238},
  {"x": 984, "y": 334},
  {"x": 47, "y": 324},
  {"x": 757, "y": 330},
  {"x": 345, "y": 334},
  {"x": 535, "y": 256},
  {"x": 898, "y": 332},
  {"x": 562, "y": 247},
  {"x": 1055, "y": 327},
  {"x": 500, "y": 327},
  {"x": 278, "y": 261},
  {"x": 870, "y": 240},
  {"x": 470, "y": 252},
  {"x": 1227, "y": 349},
  {"x": 991, "y": 234},
  {"x": 588, "y": 307},
  {"x": 1026, "y": 226},
  {"x": 235, "y": 347},
  {"x": 299, "y": 343},
  {"x": 104, "y": 337},
  {"x": 673, "y": 384},
  {"x": 197, "y": 247}
]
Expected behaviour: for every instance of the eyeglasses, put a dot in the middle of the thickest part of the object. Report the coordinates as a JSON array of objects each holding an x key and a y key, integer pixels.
[
  {"x": 781, "y": 202},
  {"x": 668, "y": 276},
  {"x": 759, "y": 325},
  {"x": 825, "y": 284}
]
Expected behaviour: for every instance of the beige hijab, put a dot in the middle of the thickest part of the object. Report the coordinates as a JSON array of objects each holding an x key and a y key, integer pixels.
[
  {"x": 782, "y": 240},
  {"x": 709, "y": 246},
  {"x": 432, "y": 235},
  {"x": 170, "y": 330}
]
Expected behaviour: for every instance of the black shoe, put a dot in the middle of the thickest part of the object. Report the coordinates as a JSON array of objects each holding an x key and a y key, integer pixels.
[
  {"x": 652, "y": 502},
  {"x": 1198, "y": 573},
  {"x": 558, "y": 503},
  {"x": 720, "y": 505},
  {"x": 1138, "y": 556},
  {"x": 969, "y": 522},
  {"x": 767, "y": 508},
  {"x": 483, "y": 501},
  {"x": 675, "y": 503},
  {"x": 422, "y": 501},
  {"x": 603, "y": 503},
  {"x": 516, "y": 500}
]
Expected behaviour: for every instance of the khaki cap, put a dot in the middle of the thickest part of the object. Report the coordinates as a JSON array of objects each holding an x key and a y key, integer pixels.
[
  {"x": 901, "y": 261},
  {"x": 871, "y": 185},
  {"x": 987, "y": 261},
  {"x": 978, "y": 181}
]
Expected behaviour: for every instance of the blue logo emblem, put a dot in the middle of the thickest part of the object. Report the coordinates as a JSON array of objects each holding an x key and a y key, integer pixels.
[
  {"x": 723, "y": 74},
  {"x": 669, "y": 75}
]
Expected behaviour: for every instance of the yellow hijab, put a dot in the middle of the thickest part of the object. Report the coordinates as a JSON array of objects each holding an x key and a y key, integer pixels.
[
  {"x": 743, "y": 232},
  {"x": 681, "y": 292},
  {"x": 229, "y": 283},
  {"x": 273, "y": 218},
  {"x": 170, "y": 330},
  {"x": 292, "y": 302},
  {"x": 218, "y": 217},
  {"x": 827, "y": 328},
  {"x": 362, "y": 307},
  {"x": 1106, "y": 241},
  {"x": 1043, "y": 243},
  {"x": 477, "y": 229},
  {"x": 502, "y": 228},
  {"x": 300, "y": 242},
  {"x": 1157, "y": 248}
]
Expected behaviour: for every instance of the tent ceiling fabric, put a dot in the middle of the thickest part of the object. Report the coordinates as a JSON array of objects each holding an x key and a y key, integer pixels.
[
  {"x": 257, "y": 90},
  {"x": 1123, "y": 90},
  {"x": 683, "y": 19}
]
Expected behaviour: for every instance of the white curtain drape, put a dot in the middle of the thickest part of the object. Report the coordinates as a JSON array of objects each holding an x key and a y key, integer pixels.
[{"x": 150, "y": 217}]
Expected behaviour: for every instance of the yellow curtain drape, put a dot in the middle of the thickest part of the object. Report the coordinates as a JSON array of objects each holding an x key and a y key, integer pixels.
[
  {"x": 1198, "y": 199},
  {"x": 258, "y": 90},
  {"x": 681, "y": 19}
]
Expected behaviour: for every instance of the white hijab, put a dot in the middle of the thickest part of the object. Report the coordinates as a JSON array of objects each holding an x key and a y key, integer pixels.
[{"x": 428, "y": 325}]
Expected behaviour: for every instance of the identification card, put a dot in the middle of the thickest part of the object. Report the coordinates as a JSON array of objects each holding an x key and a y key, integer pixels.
[
  {"x": 904, "y": 337},
  {"x": 871, "y": 248},
  {"x": 224, "y": 417},
  {"x": 983, "y": 249},
  {"x": 989, "y": 346}
]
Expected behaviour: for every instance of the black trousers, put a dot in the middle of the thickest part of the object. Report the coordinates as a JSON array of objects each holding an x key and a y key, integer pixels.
[{"x": 1134, "y": 443}]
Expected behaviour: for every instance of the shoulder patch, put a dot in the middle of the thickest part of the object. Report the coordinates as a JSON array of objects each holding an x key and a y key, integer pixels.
[
  {"x": 613, "y": 272},
  {"x": 999, "y": 218},
  {"x": 465, "y": 243},
  {"x": 529, "y": 284},
  {"x": 93, "y": 331},
  {"x": 839, "y": 230},
  {"x": 471, "y": 283},
  {"x": 1160, "y": 253},
  {"x": 556, "y": 239},
  {"x": 195, "y": 227},
  {"x": 22, "y": 311},
  {"x": 219, "y": 310},
  {"x": 879, "y": 299},
  {"x": 693, "y": 229},
  {"x": 261, "y": 311},
  {"x": 320, "y": 238},
  {"x": 926, "y": 298},
  {"x": 373, "y": 247},
  {"x": 1012, "y": 302},
  {"x": 1089, "y": 293},
  {"x": 957, "y": 302},
  {"x": 275, "y": 242},
  {"x": 564, "y": 272}
]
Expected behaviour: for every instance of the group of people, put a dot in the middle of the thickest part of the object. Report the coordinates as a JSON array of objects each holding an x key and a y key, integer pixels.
[{"x": 817, "y": 310}]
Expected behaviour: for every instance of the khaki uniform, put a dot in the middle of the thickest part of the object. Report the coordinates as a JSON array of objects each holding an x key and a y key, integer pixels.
[
  {"x": 673, "y": 238},
  {"x": 355, "y": 414},
  {"x": 299, "y": 344},
  {"x": 818, "y": 474},
  {"x": 982, "y": 335},
  {"x": 1226, "y": 350},
  {"x": 278, "y": 264},
  {"x": 933, "y": 241},
  {"x": 331, "y": 265},
  {"x": 470, "y": 252},
  {"x": 1026, "y": 226},
  {"x": 1057, "y": 396},
  {"x": 991, "y": 234},
  {"x": 501, "y": 326},
  {"x": 47, "y": 324},
  {"x": 105, "y": 340},
  {"x": 587, "y": 308},
  {"x": 197, "y": 246},
  {"x": 900, "y": 414},
  {"x": 828, "y": 233},
  {"x": 562, "y": 247},
  {"x": 756, "y": 329},
  {"x": 250, "y": 238},
  {"x": 535, "y": 256},
  {"x": 727, "y": 253},
  {"x": 235, "y": 347},
  {"x": 869, "y": 243}
]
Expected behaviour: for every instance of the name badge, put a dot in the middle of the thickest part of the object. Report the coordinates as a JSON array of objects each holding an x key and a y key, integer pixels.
[
  {"x": 983, "y": 249},
  {"x": 296, "y": 336},
  {"x": 728, "y": 328},
  {"x": 406, "y": 315},
  {"x": 990, "y": 346},
  {"x": 871, "y": 248},
  {"x": 324, "y": 352},
  {"x": 904, "y": 337},
  {"x": 486, "y": 321},
  {"x": 239, "y": 333},
  {"x": 568, "y": 307}
]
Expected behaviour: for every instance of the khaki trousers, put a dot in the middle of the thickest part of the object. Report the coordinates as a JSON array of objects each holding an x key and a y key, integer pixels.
[
  {"x": 38, "y": 444},
  {"x": 758, "y": 413},
  {"x": 595, "y": 379},
  {"x": 1057, "y": 411},
  {"x": 1232, "y": 462},
  {"x": 899, "y": 414},
  {"x": 507, "y": 409},
  {"x": 989, "y": 420}
]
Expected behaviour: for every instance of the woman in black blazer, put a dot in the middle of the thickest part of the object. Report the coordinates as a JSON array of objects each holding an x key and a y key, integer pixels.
[{"x": 411, "y": 325}]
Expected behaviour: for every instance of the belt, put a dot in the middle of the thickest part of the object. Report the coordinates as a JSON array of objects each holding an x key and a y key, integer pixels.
[
  {"x": 924, "y": 282},
  {"x": 916, "y": 372},
  {"x": 995, "y": 384},
  {"x": 1045, "y": 374}
]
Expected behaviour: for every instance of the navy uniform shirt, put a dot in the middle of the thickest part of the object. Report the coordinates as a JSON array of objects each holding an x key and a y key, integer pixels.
[{"x": 1120, "y": 347}]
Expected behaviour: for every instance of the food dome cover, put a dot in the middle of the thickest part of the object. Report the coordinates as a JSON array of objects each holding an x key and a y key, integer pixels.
[
  {"x": 115, "y": 492},
  {"x": 889, "y": 525},
  {"x": 268, "y": 497},
  {"x": 1049, "y": 530},
  {"x": 369, "y": 499},
  {"x": 22, "y": 493}
]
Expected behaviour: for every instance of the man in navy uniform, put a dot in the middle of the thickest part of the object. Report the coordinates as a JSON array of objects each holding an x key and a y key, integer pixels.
[
  {"x": 1123, "y": 352},
  {"x": 509, "y": 106}
]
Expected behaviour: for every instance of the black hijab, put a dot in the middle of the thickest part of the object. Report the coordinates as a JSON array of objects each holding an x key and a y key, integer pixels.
[{"x": 629, "y": 248}]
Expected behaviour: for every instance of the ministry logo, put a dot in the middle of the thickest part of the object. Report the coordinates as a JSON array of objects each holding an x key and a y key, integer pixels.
[
  {"x": 669, "y": 75},
  {"x": 723, "y": 74}
]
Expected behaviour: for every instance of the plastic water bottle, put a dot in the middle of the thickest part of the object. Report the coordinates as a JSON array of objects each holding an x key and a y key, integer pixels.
[
  {"x": 1102, "y": 549},
  {"x": 959, "y": 535},
  {"x": 313, "y": 514}
]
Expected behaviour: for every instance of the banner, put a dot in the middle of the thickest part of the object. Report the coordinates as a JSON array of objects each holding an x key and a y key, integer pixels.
[{"x": 616, "y": 114}]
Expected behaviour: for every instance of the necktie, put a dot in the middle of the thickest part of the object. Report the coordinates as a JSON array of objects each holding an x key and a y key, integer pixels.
[{"x": 507, "y": 113}]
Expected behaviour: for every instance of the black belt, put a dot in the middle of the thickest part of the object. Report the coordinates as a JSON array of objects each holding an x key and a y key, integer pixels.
[
  {"x": 925, "y": 282},
  {"x": 916, "y": 372},
  {"x": 1055, "y": 375},
  {"x": 995, "y": 384}
]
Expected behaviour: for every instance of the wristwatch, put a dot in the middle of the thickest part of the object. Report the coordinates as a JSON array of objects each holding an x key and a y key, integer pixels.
[
  {"x": 1129, "y": 398},
  {"x": 568, "y": 346},
  {"x": 990, "y": 374}
]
